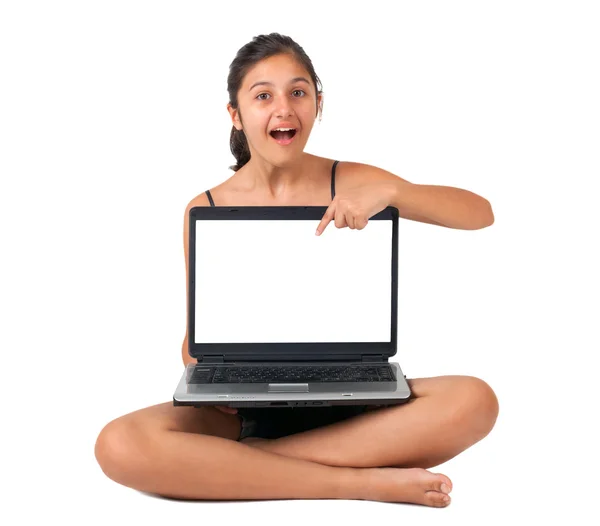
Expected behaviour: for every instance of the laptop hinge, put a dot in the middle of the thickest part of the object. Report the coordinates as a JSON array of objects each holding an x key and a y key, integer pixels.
[
  {"x": 214, "y": 358},
  {"x": 373, "y": 358}
]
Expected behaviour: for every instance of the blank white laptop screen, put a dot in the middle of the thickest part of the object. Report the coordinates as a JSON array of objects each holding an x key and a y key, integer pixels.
[{"x": 275, "y": 281}]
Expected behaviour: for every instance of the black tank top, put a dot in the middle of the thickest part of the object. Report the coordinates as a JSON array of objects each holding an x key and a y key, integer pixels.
[{"x": 212, "y": 203}]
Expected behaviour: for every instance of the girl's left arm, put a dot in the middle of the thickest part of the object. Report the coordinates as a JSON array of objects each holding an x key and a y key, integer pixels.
[{"x": 439, "y": 205}]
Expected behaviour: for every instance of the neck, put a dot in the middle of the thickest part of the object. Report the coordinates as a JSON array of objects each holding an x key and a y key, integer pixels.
[{"x": 277, "y": 181}]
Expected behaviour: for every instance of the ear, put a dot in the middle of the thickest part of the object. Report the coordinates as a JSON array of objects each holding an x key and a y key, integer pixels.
[
  {"x": 235, "y": 119},
  {"x": 320, "y": 104}
]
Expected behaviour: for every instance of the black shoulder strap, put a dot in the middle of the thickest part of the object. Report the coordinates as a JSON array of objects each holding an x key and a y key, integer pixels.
[
  {"x": 333, "y": 179},
  {"x": 212, "y": 203}
]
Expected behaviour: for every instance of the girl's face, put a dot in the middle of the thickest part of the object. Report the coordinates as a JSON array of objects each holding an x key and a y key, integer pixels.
[{"x": 276, "y": 92}]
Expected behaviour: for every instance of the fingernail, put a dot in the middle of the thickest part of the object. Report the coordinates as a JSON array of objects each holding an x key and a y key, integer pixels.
[
  {"x": 445, "y": 488},
  {"x": 316, "y": 233}
]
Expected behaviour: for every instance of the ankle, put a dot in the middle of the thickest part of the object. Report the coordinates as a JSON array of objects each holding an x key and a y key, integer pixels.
[
  {"x": 370, "y": 482},
  {"x": 354, "y": 483}
]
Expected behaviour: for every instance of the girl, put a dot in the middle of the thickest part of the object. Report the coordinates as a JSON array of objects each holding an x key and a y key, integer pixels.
[{"x": 221, "y": 453}]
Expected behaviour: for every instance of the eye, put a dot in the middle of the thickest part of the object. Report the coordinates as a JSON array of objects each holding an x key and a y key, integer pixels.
[{"x": 296, "y": 90}]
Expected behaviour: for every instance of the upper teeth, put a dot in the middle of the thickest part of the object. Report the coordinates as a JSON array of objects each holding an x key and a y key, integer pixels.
[{"x": 283, "y": 129}]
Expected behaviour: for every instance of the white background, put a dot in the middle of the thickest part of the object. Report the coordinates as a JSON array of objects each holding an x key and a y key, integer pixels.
[{"x": 112, "y": 118}]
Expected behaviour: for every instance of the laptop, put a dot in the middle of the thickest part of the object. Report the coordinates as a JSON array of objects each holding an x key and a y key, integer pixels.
[{"x": 280, "y": 317}]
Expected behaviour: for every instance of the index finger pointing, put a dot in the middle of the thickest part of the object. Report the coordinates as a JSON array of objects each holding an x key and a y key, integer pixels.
[{"x": 327, "y": 217}]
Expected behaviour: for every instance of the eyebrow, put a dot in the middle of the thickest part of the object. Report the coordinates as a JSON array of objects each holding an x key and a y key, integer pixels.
[{"x": 265, "y": 83}]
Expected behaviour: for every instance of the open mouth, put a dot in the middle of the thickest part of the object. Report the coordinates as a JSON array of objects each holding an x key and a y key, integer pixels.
[{"x": 283, "y": 136}]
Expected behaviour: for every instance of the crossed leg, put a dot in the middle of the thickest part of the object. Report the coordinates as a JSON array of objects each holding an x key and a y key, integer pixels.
[{"x": 448, "y": 415}]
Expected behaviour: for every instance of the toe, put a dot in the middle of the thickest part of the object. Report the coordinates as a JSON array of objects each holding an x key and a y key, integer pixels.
[
  {"x": 436, "y": 499},
  {"x": 438, "y": 484},
  {"x": 446, "y": 480}
]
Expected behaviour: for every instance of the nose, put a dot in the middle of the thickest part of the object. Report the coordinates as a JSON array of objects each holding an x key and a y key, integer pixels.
[{"x": 283, "y": 108}]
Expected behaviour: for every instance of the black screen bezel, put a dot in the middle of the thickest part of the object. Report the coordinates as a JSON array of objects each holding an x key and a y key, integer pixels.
[{"x": 285, "y": 351}]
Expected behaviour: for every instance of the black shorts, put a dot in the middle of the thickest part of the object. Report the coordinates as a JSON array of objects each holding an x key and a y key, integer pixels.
[{"x": 277, "y": 422}]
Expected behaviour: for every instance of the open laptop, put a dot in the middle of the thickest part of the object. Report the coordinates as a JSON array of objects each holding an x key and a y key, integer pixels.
[{"x": 278, "y": 316}]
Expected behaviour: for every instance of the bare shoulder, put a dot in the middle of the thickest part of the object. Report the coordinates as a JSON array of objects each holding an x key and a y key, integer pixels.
[
  {"x": 353, "y": 173},
  {"x": 199, "y": 200}
]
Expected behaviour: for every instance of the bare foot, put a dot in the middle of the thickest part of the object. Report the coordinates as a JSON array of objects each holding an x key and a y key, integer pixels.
[{"x": 414, "y": 485}]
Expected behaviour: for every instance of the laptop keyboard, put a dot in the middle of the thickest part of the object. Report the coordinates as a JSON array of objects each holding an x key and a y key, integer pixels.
[{"x": 250, "y": 374}]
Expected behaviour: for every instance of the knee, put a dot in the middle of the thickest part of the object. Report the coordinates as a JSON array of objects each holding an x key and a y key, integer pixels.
[
  {"x": 118, "y": 450},
  {"x": 477, "y": 405}
]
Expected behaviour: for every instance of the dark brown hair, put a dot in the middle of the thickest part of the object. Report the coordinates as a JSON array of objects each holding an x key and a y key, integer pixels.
[{"x": 261, "y": 47}]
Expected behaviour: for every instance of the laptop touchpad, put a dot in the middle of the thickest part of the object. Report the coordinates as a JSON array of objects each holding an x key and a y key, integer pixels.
[{"x": 288, "y": 388}]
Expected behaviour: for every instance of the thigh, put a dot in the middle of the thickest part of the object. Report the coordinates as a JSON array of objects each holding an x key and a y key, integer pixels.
[{"x": 205, "y": 420}]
